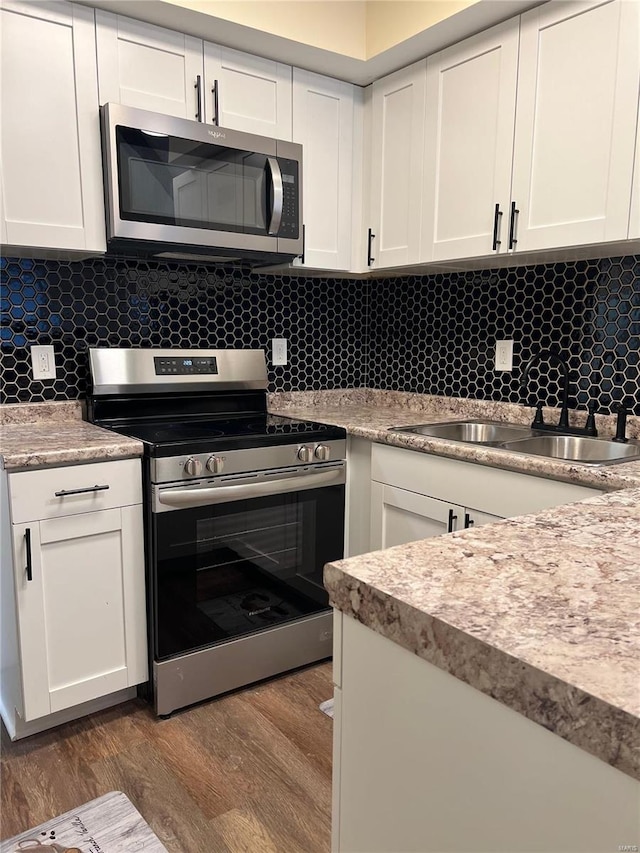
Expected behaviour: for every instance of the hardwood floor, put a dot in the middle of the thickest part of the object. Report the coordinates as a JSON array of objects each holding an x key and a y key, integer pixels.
[{"x": 249, "y": 772}]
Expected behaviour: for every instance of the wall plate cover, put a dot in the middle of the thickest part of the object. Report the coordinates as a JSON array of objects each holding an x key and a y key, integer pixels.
[
  {"x": 504, "y": 355},
  {"x": 279, "y": 351},
  {"x": 43, "y": 362}
]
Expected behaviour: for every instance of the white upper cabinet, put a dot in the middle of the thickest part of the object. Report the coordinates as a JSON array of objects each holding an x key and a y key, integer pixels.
[
  {"x": 323, "y": 123},
  {"x": 575, "y": 131},
  {"x": 471, "y": 98},
  {"x": 144, "y": 66},
  {"x": 634, "y": 219},
  {"x": 248, "y": 93},
  {"x": 397, "y": 145},
  {"x": 50, "y": 134},
  {"x": 148, "y": 67}
]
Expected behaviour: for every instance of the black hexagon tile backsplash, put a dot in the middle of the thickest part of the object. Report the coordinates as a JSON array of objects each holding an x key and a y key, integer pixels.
[{"x": 430, "y": 334}]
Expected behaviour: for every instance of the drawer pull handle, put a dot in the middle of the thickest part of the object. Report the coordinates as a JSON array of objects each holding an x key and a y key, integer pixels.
[
  {"x": 452, "y": 519},
  {"x": 468, "y": 521},
  {"x": 27, "y": 542},
  {"x": 65, "y": 492}
]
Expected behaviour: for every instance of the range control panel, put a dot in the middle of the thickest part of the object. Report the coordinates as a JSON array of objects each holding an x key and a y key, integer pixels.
[{"x": 182, "y": 366}]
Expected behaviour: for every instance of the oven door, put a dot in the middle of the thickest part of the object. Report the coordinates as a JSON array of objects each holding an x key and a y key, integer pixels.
[{"x": 233, "y": 556}]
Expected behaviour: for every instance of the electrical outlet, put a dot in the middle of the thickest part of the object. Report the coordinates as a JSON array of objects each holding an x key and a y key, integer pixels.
[
  {"x": 504, "y": 355},
  {"x": 278, "y": 351},
  {"x": 43, "y": 362}
]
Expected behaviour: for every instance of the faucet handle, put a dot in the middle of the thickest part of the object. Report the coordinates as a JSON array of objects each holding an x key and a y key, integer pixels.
[
  {"x": 623, "y": 409},
  {"x": 590, "y": 426},
  {"x": 539, "y": 418}
]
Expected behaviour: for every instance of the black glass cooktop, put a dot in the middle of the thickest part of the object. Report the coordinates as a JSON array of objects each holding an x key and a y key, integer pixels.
[{"x": 201, "y": 436}]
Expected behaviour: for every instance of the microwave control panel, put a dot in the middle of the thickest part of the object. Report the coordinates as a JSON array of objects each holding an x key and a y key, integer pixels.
[{"x": 290, "y": 222}]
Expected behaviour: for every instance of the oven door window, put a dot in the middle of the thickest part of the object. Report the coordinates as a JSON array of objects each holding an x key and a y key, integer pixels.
[
  {"x": 229, "y": 570},
  {"x": 172, "y": 181}
]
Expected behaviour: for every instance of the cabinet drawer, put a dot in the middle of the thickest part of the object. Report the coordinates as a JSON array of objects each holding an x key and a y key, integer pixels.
[
  {"x": 479, "y": 487},
  {"x": 37, "y": 494}
]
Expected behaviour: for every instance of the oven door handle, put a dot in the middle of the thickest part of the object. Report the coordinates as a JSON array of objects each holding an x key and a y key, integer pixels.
[{"x": 201, "y": 496}]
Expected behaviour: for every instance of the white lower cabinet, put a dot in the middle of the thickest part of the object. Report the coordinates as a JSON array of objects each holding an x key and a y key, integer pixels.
[
  {"x": 415, "y": 496},
  {"x": 399, "y": 516},
  {"x": 77, "y": 578},
  {"x": 423, "y": 762}
]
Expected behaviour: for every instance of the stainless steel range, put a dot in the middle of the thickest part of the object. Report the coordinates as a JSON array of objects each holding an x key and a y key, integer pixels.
[{"x": 243, "y": 509}]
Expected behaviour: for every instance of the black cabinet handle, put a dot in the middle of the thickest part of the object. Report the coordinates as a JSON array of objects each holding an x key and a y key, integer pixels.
[
  {"x": 214, "y": 90},
  {"x": 64, "y": 492},
  {"x": 198, "y": 88},
  {"x": 496, "y": 224},
  {"x": 370, "y": 258},
  {"x": 512, "y": 225},
  {"x": 27, "y": 541},
  {"x": 468, "y": 521},
  {"x": 452, "y": 518}
]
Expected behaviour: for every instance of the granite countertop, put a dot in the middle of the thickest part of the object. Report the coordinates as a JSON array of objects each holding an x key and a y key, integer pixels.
[
  {"x": 369, "y": 414},
  {"x": 39, "y": 435},
  {"x": 540, "y": 612}
]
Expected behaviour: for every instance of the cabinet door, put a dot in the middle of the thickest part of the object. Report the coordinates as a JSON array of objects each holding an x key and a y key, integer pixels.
[
  {"x": 475, "y": 518},
  {"x": 50, "y": 135},
  {"x": 81, "y": 616},
  {"x": 323, "y": 125},
  {"x": 398, "y": 115},
  {"x": 399, "y": 516},
  {"x": 249, "y": 93},
  {"x": 471, "y": 92},
  {"x": 576, "y": 123},
  {"x": 140, "y": 65},
  {"x": 634, "y": 219}
]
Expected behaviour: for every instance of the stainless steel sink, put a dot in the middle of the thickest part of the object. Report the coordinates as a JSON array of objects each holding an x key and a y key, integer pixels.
[
  {"x": 523, "y": 439},
  {"x": 471, "y": 432},
  {"x": 574, "y": 448}
]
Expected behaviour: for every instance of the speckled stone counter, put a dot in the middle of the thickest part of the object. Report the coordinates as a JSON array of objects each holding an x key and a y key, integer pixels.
[
  {"x": 540, "y": 612},
  {"x": 49, "y": 434},
  {"x": 369, "y": 414},
  {"x": 532, "y": 611}
]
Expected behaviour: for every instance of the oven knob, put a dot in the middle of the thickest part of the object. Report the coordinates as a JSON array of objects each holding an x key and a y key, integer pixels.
[
  {"x": 193, "y": 467},
  {"x": 215, "y": 464},
  {"x": 305, "y": 454},
  {"x": 322, "y": 452}
]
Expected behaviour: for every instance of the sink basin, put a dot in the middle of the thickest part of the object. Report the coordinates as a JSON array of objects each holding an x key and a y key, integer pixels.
[
  {"x": 573, "y": 448},
  {"x": 471, "y": 432},
  {"x": 524, "y": 439}
]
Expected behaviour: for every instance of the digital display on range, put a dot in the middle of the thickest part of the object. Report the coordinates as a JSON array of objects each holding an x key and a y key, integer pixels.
[{"x": 172, "y": 366}]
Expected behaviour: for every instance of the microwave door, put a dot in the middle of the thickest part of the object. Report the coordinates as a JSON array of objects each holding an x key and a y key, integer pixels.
[{"x": 189, "y": 196}]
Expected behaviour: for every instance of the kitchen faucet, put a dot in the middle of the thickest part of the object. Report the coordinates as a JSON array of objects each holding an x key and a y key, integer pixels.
[{"x": 563, "y": 423}]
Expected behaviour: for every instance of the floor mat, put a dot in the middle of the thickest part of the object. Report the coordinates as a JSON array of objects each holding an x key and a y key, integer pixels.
[
  {"x": 110, "y": 824},
  {"x": 327, "y": 707}
]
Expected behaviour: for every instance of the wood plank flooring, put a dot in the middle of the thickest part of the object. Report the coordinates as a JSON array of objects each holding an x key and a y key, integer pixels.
[{"x": 247, "y": 773}]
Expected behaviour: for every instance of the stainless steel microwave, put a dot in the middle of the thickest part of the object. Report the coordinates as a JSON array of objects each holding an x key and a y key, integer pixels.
[{"x": 176, "y": 188}]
